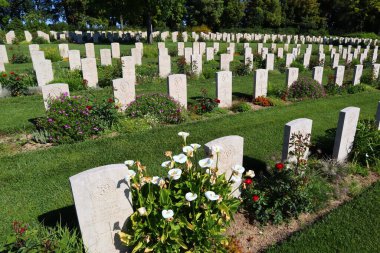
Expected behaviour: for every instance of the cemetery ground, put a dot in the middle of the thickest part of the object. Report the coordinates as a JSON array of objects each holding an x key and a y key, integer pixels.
[{"x": 35, "y": 185}]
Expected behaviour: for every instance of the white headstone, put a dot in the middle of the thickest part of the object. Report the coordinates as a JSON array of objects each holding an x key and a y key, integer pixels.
[
  {"x": 2, "y": 67},
  {"x": 164, "y": 66},
  {"x": 90, "y": 50},
  {"x": 74, "y": 60},
  {"x": 115, "y": 47},
  {"x": 103, "y": 202},
  {"x": 124, "y": 92},
  {"x": 291, "y": 76},
  {"x": 318, "y": 74},
  {"x": 52, "y": 91},
  {"x": 44, "y": 72},
  {"x": 188, "y": 53},
  {"x": 299, "y": 126},
  {"x": 231, "y": 154},
  {"x": 224, "y": 88},
  {"x": 289, "y": 60},
  {"x": 209, "y": 54},
  {"x": 196, "y": 64},
  {"x": 181, "y": 48},
  {"x": 357, "y": 74},
  {"x": 177, "y": 88},
  {"x": 64, "y": 50},
  {"x": 128, "y": 68},
  {"x": 3, "y": 54},
  {"x": 105, "y": 57},
  {"x": 90, "y": 72},
  {"x": 378, "y": 116},
  {"x": 28, "y": 36},
  {"x": 137, "y": 55},
  {"x": 10, "y": 37},
  {"x": 225, "y": 62},
  {"x": 339, "y": 75},
  {"x": 260, "y": 83},
  {"x": 280, "y": 53},
  {"x": 270, "y": 62},
  {"x": 376, "y": 70},
  {"x": 335, "y": 61},
  {"x": 345, "y": 134}
]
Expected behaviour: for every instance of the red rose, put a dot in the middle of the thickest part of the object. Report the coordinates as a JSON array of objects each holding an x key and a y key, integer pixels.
[
  {"x": 110, "y": 100},
  {"x": 17, "y": 78},
  {"x": 217, "y": 101},
  {"x": 89, "y": 107},
  {"x": 279, "y": 166},
  {"x": 248, "y": 181},
  {"x": 12, "y": 73},
  {"x": 4, "y": 75},
  {"x": 255, "y": 198},
  {"x": 203, "y": 107}
]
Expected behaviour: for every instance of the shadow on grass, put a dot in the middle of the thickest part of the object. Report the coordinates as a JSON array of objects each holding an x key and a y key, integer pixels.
[
  {"x": 65, "y": 216},
  {"x": 258, "y": 166},
  {"x": 242, "y": 96}
]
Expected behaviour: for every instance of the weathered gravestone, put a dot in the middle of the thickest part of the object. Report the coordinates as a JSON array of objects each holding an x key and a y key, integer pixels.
[
  {"x": 124, "y": 92},
  {"x": 224, "y": 88},
  {"x": 270, "y": 62},
  {"x": 10, "y": 37},
  {"x": 137, "y": 56},
  {"x": 196, "y": 64},
  {"x": 335, "y": 61},
  {"x": 177, "y": 88},
  {"x": 90, "y": 50},
  {"x": 358, "y": 71},
  {"x": 339, "y": 75},
  {"x": 225, "y": 62},
  {"x": 37, "y": 58},
  {"x": 345, "y": 133},
  {"x": 128, "y": 68},
  {"x": 181, "y": 48},
  {"x": 280, "y": 53},
  {"x": 105, "y": 57},
  {"x": 90, "y": 72},
  {"x": 188, "y": 53},
  {"x": 52, "y": 91},
  {"x": 74, "y": 60},
  {"x": 164, "y": 65},
  {"x": 103, "y": 202},
  {"x": 63, "y": 50},
  {"x": 209, "y": 54},
  {"x": 291, "y": 76},
  {"x": 318, "y": 74},
  {"x": 306, "y": 60},
  {"x": 289, "y": 60},
  {"x": 260, "y": 83},
  {"x": 28, "y": 36},
  {"x": 115, "y": 47},
  {"x": 44, "y": 72},
  {"x": 3, "y": 54},
  {"x": 299, "y": 126},
  {"x": 231, "y": 154}
]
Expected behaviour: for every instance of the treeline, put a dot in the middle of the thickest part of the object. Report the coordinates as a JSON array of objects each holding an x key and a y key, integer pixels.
[{"x": 334, "y": 16}]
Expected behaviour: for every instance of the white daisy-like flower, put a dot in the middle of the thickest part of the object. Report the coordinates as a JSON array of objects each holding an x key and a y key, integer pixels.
[
  {"x": 216, "y": 148},
  {"x": 195, "y": 146},
  {"x": 236, "y": 179},
  {"x": 130, "y": 174},
  {"x": 238, "y": 169},
  {"x": 142, "y": 211},
  {"x": 187, "y": 149},
  {"x": 181, "y": 158},
  {"x": 191, "y": 196},
  {"x": 155, "y": 180},
  {"x": 175, "y": 174},
  {"x": 250, "y": 174},
  {"x": 210, "y": 195},
  {"x": 167, "y": 213},
  {"x": 166, "y": 164},
  {"x": 206, "y": 163},
  {"x": 129, "y": 163}
]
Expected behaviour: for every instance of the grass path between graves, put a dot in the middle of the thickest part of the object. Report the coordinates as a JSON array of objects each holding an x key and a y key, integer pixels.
[
  {"x": 35, "y": 186},
  {"x": 353, "y": 227}
]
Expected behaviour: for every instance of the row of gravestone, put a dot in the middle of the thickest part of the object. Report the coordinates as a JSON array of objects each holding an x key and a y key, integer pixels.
[
  {"x": 78, "y": 36},
  {"x": 103, "y": 199}
]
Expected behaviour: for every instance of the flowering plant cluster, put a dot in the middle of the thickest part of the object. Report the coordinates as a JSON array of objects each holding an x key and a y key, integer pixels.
[
  {"x": 163, "y": 107},
  {"x": 204, "y": 104},
  {"x": 304, "y": 87},
  {"x": 71, "y": 119},
  {"x": 277, "y": 197},
  {"x": 15, "y": 83},
  {"x": 188, "y": 209},
  {"x": 262, "y": 101}
]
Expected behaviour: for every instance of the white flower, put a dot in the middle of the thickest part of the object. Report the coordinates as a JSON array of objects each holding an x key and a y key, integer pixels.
[
  {"x": 208, "y": 171},
  {"x": 166, "y": 164},
  {"x": 142, "y": 211},
  {"x": 167, "y": 213},
  {"x": 187, "y": 149},
  {"x": 195, "y": 146},
  {"x": 210, "y": 195},
  {"x": 216, "y": 148},
  {"x": 184, "y": 135},
  {"x": 129, "y": 162},
  {"x": 191, "y": 196},
  {"x": 181, "y": 158},
  {"x": 175, "y": 174},
  {"x": 155, "y": 180},
  {"x": 250, "y": 174},
  {"x": 130, "y": 174},
  {"x": 238, "y": 169},
  {"x": 236, "y": 179},
  {"x": 206, "y": 163}
]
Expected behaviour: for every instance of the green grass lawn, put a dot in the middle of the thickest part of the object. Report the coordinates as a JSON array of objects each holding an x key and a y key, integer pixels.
[
  {"x": 35, "y": 186},
  {"x": 354, "y": 227}
]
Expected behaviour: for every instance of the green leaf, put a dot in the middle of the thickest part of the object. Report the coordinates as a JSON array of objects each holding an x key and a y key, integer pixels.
[{"x": 138, "y": 246}]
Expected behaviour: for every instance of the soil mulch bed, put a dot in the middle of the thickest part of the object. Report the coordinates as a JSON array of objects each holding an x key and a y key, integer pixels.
[{"x": 256, "y": 238}]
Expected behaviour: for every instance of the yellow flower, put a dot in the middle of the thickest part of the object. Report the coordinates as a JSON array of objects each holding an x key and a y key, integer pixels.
[{"x": 124, "y": 238}]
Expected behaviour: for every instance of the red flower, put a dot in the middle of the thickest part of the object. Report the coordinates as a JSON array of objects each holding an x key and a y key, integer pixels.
[
  {"x": 255, "y": 198},
  {"x": 12, "y": 73},
  {"x": 217, "y": 101},
  {"x": 4, "y": 75},
  {"x": 279, "y": 166},
  {"x": 110, "y": 100},
  {"x": 18, "y": 78},
  {"x": 89, "y": 107},
  {"x": 116, "y": 107},
  {"x": 196, "y": 107},
  {"x": 248, "y": 181},
  {"x": 203, "y": 107}
]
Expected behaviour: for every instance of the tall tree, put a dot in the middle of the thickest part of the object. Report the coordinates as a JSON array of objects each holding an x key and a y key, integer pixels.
[
  {"x": 204, "y": 12},
  {"x": 303, "y": 13},
  {"x": 233, "y": 13},
  {"x": 263, "y": 13}
]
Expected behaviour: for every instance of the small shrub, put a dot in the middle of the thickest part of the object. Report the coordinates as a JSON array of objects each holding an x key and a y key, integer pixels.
[
  {"x": 241, "y": 106},
  {"x": 72, "y": 77},
  {"x": 18, "y": 58},
  {"x": 71, "y": 119},
  {"x": 241, "y": 69},
  {"x": 353, "y": 89},
  {"x": 165, "y": 108},
  {"x": 39, "y": 40},
  {"x": 262, "y": 101},
  {"x": 25, "y": 238},
  {"x": 297, "y": 64},
  {"x": 201, "y": 28},
  {"x": 204, "y": 104},
  {"x": 109, "y": 73},
  {"x": 150, "y": 51},
  {"x": 305, "y": 87},
  {"x": 147, "y": 73},
  {"x": 17, "y": 84},
  {"x": 280, "y": 64},
  {"x": 134, "y": 125},
  {"x": 52, "y": 54},
  {"x": 209, "y": 69}
]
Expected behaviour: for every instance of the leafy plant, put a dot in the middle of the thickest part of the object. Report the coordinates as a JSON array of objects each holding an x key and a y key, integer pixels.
[
  {"x": 262, "y": 101},
  {"x": 39, "y": 40},
  {"x": 165, "y": 108},
  {"x": 188, "y": 209},
  {"x": 52, "y": 54},
  {"x": 16, "y": 83},
  {"x": 304, "y": 87},
  {"x": 241, "y": 106},
  {"x": 109, "y": 73},
  {"x": 204, "y": 104},
  {"x": 18, "y": 58},
  {"x": 73, "y": 78}
]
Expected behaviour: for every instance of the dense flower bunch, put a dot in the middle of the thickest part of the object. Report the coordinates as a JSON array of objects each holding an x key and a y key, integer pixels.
[
  {"x": 15, "y": 83},
  {"x": 71, "y": 119},
  {"x": 204, "y": 104},
  {"x": 188, "y": 209},
  {"x": 277, "y": 197},
  {"x": 304, "y": 87},
  {"x": 262, "y": 101},
  {"x": 161, "y": 106}
]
